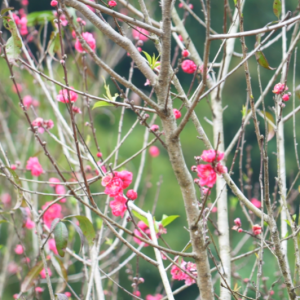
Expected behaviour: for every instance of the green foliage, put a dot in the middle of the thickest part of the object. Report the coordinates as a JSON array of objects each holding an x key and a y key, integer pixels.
[
  {"x": 107, "y": 96},
  {"x": 61, "y": 238},
  {"x": 39, "y": 17},
  {"x": 87, "y": 229},
  {"x": 152, "y": 61},
  {"x": 277, "y": 8},
  {"x": 31, "y": 277}
]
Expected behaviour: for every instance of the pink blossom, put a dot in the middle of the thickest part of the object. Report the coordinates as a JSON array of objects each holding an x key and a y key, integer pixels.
[
  {"x": 191, "y": 268},
  {"x": 29, "y": 224},
  {"x": 153, "y": 151},
  {"x": 79, "y": 20},
  {"x": 115, "y": 187},
  {"x": 188, "y": 66},
  {"x": 34, "y": 166},
  {"x": 118, "y": 206},
  {"x": 211, "y": 155},
  {"x": 206, "y": 191},
  {"x": 43, "y": 273},
  {"x": 99, "y": 154},
  {"x": 131, "y": 194},
  {"x": 38, "y": 289},
  {"x": 26, "y": 260},
  {"x": 54, "y": 180},
  {"x": 49, "y": 124},
  {"x": 91, "y": 8},
  {"x": 6, "y": 199},
  {"x": 53, "y": 3},
  {"x": 220, "y": 169},
  {"x": 126, "y": 177},
  {"x": 272, "y": 293},
  {"x": 180, "y": 5},
  {"x": 13, "y": 167},
  {"x": 155, "y": 297},
  {"x": 144, "y": 227},
  {"x": 16, "y": 296},
  {"x": 23, "y": 25},
  {"x": 27, "y": 101},
  {"x": 89, "y": 38},
  {"x": 18, "y": 87},
  {"x": 63, "y": 19},
  {"x": 13, "y": 268},
  {"x": 68, "y": 294},
  {"x": 61, "y": 190},
  {"x": 147, "y": 82},
  {"x": 154, "y": 127},
  {"x": 64, "y": 97},
  {"x": 19, "y": 249},
  {"x": 112, "y": 3},
  {"x": 191, "y": 6},
  {"x": 176, "y": 113},
  {"x": 256, "y": 229},
  {"x": 180, "y": 38},
  {"x": 76, "y": 110},
  {"x": 207, "y": 175},
  {"x": 53, "y": 212},
  {"x": 140, "y": 36},
  {"x": 238, "y": 222},
  {"x": 240, "y": 230},
  {"x": 286, "y": 97},
  {"x": 279, "y": 88},
  {"x": 256, "y": 202},
  {"x": 52, "y": 246},
  {"x": 25, "y": 2},
  {"x": 106, "y": 180},
  {"x": 177, "y": 273},
  {"x": 185, "y": 53},
  {"x": 137, "y": 293}
]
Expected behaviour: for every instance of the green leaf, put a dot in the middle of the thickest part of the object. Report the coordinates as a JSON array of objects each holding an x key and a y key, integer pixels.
[
  {"x": 61, "y": 238},
  {"x": 294, "y": 217},
  {"x": 288, "y": 222},
  {"x": 271, "y": 129},
  {"x": 39, "y": 17},
  {"x": 87, "y": 228},
  {"x": 63, "y": 270},
  {"x": 5, "y": 10},
  {"x": 166, "y": 220},
  {"x": 233, "y": 202},
  {"x": 54, "y": 44},
  {"x": 189, "y": 245},
  {"x": 140, "y": 217},
  {"x": 80, "y": 233},
  {"x": 3, "y": 221},
  {"x": 261, "y": 59},
  {"x": 102, "y": 103},
  {"x": 149, "y": 59},
  {"x": 277, "y": 8},
  {"x": 108, "y": 241},
  {"x": 31, "y": 277}
]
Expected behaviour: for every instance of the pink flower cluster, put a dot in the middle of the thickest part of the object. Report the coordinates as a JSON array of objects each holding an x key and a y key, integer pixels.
[
  {"x": 43, "y": 273},
  {"x": 34, "y": 166},
  {"x": 139, "y": 34},
  {"x": 63, "y": 96},
  {"x": 279, "y": 89},
  {"x": 63, "y": 19},
  {"x": 52, "y": 246},
  {"x": 146, "y": 230},
  {"x": 178, "y": 274},
  {"x": 112, "y": 3},
  {"x": 59, "y": 188},
  {"x": 238, "y": 225},
  {"x": 155, "y": 297},
  {"x": 29, "y": 223},
  {"x": 21, "y": 23},
  {"x": 90, "y": 40},
  {"x": 114, "y": 186},
  {"x": 53, "y": 212},
  {"x": 28, "y": 101},
  {"x": 188, "y": 66},
  {"x": 208, "y": 173},
  {"x": 42, "y": 124},
  {"x": 256, "y": 229}
]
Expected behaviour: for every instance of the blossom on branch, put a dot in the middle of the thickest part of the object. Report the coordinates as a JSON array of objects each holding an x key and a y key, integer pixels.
[
  {"x": 34, "y": 166},
  {"x": 90, "y": 40},
  {"x": 64, "y": 95}
]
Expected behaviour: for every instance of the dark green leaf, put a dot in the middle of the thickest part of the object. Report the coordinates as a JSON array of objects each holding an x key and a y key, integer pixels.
[
  {"x": 140, "y": 217},
  {"x": 63, "y": 270},
  {"x": 166, "y": 220},
  {"x": 102, "y": 103},
  {"x": 39, "y": 17},
  {"x": 79, "y": 231},
  {"x": 87, "y": 228},
  {"x": 54, "y": 44},
  {"x": 261, "y": 59},
  {"x": 277, "y": 8},
  {"x": 31, "y": 277},
  {"x": 61, "y": 238}
]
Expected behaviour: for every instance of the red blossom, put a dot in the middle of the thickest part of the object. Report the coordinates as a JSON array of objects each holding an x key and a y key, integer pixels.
[
  {"x": 256, "y": 229},
  {"x": 188, "y": 66},
  {"x": 118, "y": 206},
  {"x": 89, "y": 38},
  {"x": 153, "y": 151},
  {"x": 207, "y": 175},
  {"x": 177, "y": 113},
  {"x": 279, "y": 88}
]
